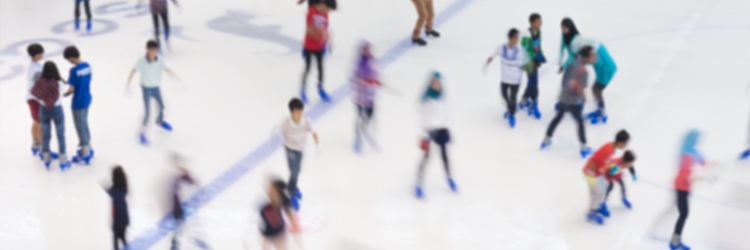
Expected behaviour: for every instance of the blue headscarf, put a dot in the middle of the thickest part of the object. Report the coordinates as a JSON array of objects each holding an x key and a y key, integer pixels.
[
  {"x": 431, "y": 93},
  {"x": 688, "y": 145}
]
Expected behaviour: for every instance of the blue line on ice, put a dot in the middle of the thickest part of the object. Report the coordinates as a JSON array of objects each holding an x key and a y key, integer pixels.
[{"x": 151, "y": 236}]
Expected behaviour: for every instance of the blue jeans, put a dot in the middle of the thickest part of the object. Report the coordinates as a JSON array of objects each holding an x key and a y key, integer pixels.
[
  {"x": 80, "y": 118},
  {"x": 295, "y": 161},
  {"x": 155, "y": 93},
  {"x": 46, "y": 117}
]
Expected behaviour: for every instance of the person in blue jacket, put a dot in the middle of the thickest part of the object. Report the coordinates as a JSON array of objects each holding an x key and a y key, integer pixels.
[{"x": 604, "y": 67}]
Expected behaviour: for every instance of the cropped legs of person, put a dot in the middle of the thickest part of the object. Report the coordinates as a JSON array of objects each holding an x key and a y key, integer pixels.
[
  {"x": 575, "y": 110},
  {"x": 682, "y": 207},
  {"x": 510, "y": 94},
  {"x": 364, "y": 115},
  {"x": 439, "y": 136},
  {"x": 165, "y": 19},
  {"x": 78, "y": 12}
]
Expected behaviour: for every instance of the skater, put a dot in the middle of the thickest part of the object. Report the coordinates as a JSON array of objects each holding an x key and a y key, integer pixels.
[
  {"x": 689, "y": 157},
  {"x": 121, "y": 219},
  {"x": 531, "y": 41},
  {"x": 572, "y": 97},
  {"x": 274, "y": 227},
  {"x": 151, "y": 67},
  {"x": 316, "y": 40},
  {"x": 365, "y": 84},
  {"x": 159, "y": 9},
  {"x": 613, "y": 173},
  {"x": 78, "y": 14},
  {"x": 294, "y": 132},
  {"x": 182, "y": 178},
  {"x": 435, "y": 118},
  {"x": 604, "y": 67},
  {"x": 48, "y": 90},
  {"x": 79, "y": 81},
  {"x": 594, "y": 170},
  {"x": 426, "y": 13},
  {"x": 512, "y": 57},
  {"x": 36, "y": 52}
]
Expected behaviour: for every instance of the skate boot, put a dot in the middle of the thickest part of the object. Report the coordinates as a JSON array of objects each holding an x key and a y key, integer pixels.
[
  {"x": 358, "y": 146},
  {"x": 77, "y": 24},
  {"x": 745, "y": 154},
  {"x": 585, "y": 151},
  {"x": 512, "y": 121},
  {"x": 297, "y": 194},
  {"x": 47, "y": 159},
  {"x": 88, "y": 26},
  {"x": 322, "y": 93},
  {"x": 432, "y": 33},
  {"x": 143, "y": 139},
  {"x": 418, "y": 192},
  {"x": 52, "y": 156},
  {"x": 506, "y": 115},
  {"x": 626, "y": 202},
  {"x": 303, "y": 95},
  {"x": 603, "y": 210},
  {"x": 295, "y": 203},
  {"x": 545, "y": 144},
  {"x": 452, "y": 185},
  {"x": 80, "y": 158},
  {"x": 679, "y": 246},
  {"x": 166, "y": 126},
  {"x": 597, "y": 116},
  {"x": 523, "y": 104},
  {"x": 64, "y": 163},
  {"x": 418, "y": 41},
  {"x": 534, "y": 111},
  {"x": 35, "y": 148},
  {"x": 595, "y": 218}
]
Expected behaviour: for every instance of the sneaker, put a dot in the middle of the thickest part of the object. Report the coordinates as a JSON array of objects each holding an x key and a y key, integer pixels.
[
  {"x": 432, "y": 33},
  {"x": 418, "y": 41}
]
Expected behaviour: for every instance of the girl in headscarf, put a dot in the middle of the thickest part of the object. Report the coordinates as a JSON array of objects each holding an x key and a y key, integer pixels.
[
  {"x": 604, "y": 67},
  {"x": 48, "y": 90},
  {"x": 365, "y": 85},
  {"x": 435, "y": 118},
  {"x": 689, "y": 156}
]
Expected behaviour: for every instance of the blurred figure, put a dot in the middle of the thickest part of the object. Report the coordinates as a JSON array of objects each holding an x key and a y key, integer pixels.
[
  {"x": 594, "y": 171},
  {"x": 689, "y": 157},
  {"x": 78, "y": 14},
  {"x": 365, "y": 86},
  {"x": 159, "y": 8},
  {"x": 604, "y": 66},
  {"x": 531, "y": 41},
  {"x": 316, "y": 41},
  {"x": 36, "y": 52},
  {"x": 273, "y": 228},
  {"x": 294, "y": 131},
  {"x": 121, "y": 219},
  {"x": 182, "y": 178},
  {"x": 48, "y": 90},
  {"x": 434, "y": 115},
  {"x": 572, "y": 98},
  {"x": 512, "y": 58},
  {"x": 426, "y": 13},
  {"x": 613, "y": 173}
]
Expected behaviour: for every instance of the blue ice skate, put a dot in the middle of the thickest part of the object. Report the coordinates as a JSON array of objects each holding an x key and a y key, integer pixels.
[
  {"x": 534, "y": 111},
  {"x": 452, "y": 185},
  {"x": 77, "y": 24},
  {"x": 80, "y": 159},
  {"x": 166, "y": 126},
  {"x": 52, "y": 156},
  {"x": 595, "y": 218},
  {"x": 323, "y": 94},
  {"x": 358, "y": 146},
  {"x": 295, "y": 203},
  {"x": 506, "y": 115},
  {"x": 596, "y": 117},
  {"x": 303, "y": 96},
  {"x": 64, "y": 163},
  {"x": 34, "y": 150},
  {"x": 143, "y": 139},
  {"x": 745, "y": 155},
  {"x": 512, "y": 121},
  {"x": 679, "y": 246},
  {"x": 88, "y": 25},
  {"x": 586, "y": 152},
  {"x": 418, "y": 192},
  {"x": 523, "y": 104},
  {"x": 603, "y": 210},
  {"x": 297, "y": 194},
  {"x": 545, "y": 144},
  {"x": 626, "y": 202}
]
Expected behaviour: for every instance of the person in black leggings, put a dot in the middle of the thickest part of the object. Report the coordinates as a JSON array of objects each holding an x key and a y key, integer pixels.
[
  {"x": 78, "y": 14},
  {"x": 159, "y": 9}
]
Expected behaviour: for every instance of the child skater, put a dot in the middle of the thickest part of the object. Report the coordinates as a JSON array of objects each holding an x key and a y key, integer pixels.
[
  {"x": 273, "y": 228},
  {"x": 604, "y": 67},
  {"x": 613, "y": 173},
  {"x": 159, "y": 8},
  {"x": 531, "y": 41},
  {"x": 151, "y": 67},
  {"x": 365, "y": 83},
  {"x": 182, "y": 178},
  {"x": 512, "y": 57},
  {"x": 294, "y": 132},
  {"x": 572, "y": 97},
  {"x": 48, "y": 90},
  {"x": 316, "y": 40},
  {"x": 36, "y": 52},
  {"x": 117, "y": 192},
  {"x": 79, "y": 81},
  {"x": 689, "y": 157},
  {"x": 78, "y": 14},
  {"x": 435, "y": 118},
  {"x": 593, "y": 172}
]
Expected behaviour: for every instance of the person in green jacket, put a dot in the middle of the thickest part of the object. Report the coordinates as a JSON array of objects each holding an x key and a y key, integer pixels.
[{"x": 531, "y": 41}]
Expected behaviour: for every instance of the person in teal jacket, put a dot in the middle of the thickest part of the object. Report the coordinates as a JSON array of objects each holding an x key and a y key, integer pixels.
[{"x": 604, "y": 67}]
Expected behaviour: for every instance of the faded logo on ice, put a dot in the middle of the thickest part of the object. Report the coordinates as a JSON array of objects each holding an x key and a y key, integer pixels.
[{"x": 239, "y": 24}]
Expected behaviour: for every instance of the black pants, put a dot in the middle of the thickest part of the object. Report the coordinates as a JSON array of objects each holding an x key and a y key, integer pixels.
[
  {"x": 612, "y": 186},
  {"x": 598, "y": 90},
  {"x": 120, "y": 235},
  {"x": 682, "y": 206},
  {"x": 319, "y": 59},
  {"x": 575, "y": 110},
  {"x": 441, "y": 137},
  {"x": 509, "y": 93},
  {"x": 165, "y": 18},
  {"x": 532, "y": 87},
  {"x": 78, "y": 10},
  {"x": 364, "y": 115}
]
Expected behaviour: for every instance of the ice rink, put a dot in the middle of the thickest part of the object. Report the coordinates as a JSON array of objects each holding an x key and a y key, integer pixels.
[{"x": 681, "y": 64}]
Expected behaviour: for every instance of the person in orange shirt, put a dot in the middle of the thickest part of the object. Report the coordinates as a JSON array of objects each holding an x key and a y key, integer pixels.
[
  {"x": 594, "y": 170},
  {"x": 613, "y": 173}
]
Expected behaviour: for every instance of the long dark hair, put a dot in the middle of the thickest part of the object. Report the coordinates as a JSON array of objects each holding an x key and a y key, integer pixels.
[
  {"x": 280, "y": 187},
  {"x": 119, "y": 180},
  {"x": 50, "y": 71},
  {"x": 572, "y": 30}
]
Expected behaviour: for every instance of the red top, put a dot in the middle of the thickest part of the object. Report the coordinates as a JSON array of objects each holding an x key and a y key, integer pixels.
[
  {"x": 600, "y": 159},
  {"x": 617, "y": 175},
  {"x": 682, "y": 181},
  {"x": 319, "y": 21}
]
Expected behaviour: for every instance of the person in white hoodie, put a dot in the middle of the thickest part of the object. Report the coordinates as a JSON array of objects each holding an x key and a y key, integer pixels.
[
  {"x": 434, "y": 118},
  {"x": 512, "y": 58}
]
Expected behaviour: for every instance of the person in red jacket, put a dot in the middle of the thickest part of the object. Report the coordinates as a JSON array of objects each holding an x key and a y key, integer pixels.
[
  {"x": 689, "y": 156},
  {"x": 594, "y": 171},
  {"x": 316, "y": 39}
]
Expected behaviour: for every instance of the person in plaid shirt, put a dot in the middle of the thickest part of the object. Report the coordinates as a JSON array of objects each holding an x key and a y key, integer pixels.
[{"x": 47, "y": 90}]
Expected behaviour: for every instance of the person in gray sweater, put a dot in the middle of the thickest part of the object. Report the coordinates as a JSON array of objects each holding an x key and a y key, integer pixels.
[{"x": 572, "y": 97}]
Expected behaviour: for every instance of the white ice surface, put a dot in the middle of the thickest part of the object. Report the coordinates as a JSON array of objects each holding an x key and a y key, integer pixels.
[{"x": 681, "y": 64}]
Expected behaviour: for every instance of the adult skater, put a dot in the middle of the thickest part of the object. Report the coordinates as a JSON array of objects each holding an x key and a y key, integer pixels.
[
  {"x": 151, "y": 67},
  {"x": 78, "y": 14},
  {"x": 531, "y": 41},
  {"x": 316, "y": 40},
  {"x": 79, "y": 81},
  {"x": 36, "y": 52},
  {"x": 365, "y": 83},
  {"x": 604, "y": 66},
  {"x": 689, "y": 157},
  {"x": 121, "y": 219},
  {"x": 159, "y": 9},
  {"x": 48, "y": 90},
  {"x": 572, "y": 97},
  {"x": 294, "y": 131},
  {"x": 512, "y": 58},
  {"x": 426, "y": 13},
  {"x": 434, "y": 116},
  {"x": 274, "y": 227}
]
